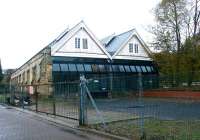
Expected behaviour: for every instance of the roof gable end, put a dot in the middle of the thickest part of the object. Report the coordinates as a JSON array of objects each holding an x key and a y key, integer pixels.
[
  {"x": 125, "y": 41},
  {"x": 71, "y": 33}
]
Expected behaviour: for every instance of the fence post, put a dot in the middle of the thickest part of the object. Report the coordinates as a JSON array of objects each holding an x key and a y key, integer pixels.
[
  {"x": 4, "y": 94},
  {"x": 54, "y": 99},
  {"x": 111, "y": 81},
  {"x": 143, "y": 136},
  {"x": 82, "y": 108},
  {"x": 22, "y": 94}
]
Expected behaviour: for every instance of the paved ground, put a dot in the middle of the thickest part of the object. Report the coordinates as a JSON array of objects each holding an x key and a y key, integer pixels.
[
  {"x": 16, "y": 125},
  {"x": 125, "y": 109},
  {"x": 164, "y": 109}
]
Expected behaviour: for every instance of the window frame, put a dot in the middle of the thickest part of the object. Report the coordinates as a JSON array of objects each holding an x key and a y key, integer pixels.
[
  {"x": 115, "y": 68},
  {"x": 127, "y": 68},
  {"x": 130, "y": 45},
  {"x": 64, "y": 67},
  {"x": 79, "y": 66},
  {"x": 85, "y": 43},
  {"x": 138, "y": 67},
  {"x": 102, "y": 68},
  {"x": 86, "y": 66},
  {"x": 72, "y": 70},
  {"x": 152, "y": 69},
  {"x": 133, "y": 67},
  {"x": 77, "y": 43},
  {"x": 149, "y": 68},
  {"x": 121, "y": 68},
  {"x": 143, "y": 68},
  {"x": 136, "y": 48},
  {"x": 95, "y": 68},
  {"x": 53, "y": 66}
]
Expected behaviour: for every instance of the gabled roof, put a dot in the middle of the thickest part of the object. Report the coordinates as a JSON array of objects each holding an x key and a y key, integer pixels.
[
  {"x": 61, "y": 40},
  {"x": 107, "y": 39},
  {"x": 115, "y": 43}
]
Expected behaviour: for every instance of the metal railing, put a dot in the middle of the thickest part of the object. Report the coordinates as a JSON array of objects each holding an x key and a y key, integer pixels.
[{"x": 118, "y": 105}]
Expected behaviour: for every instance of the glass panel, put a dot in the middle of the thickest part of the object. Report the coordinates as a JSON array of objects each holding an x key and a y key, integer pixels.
[
  {"x": 87, "y": 67},
  {"x": 102, "y": 68},
  {"x": 80, "y": 67},
  {"x": 138, "y": 69},
  {"x": 131, "y": 47},
  {"x": 115, "y": 68},
  {"x": 136, "y": 48},
  {"x": 95, "y": 68},
  {"x": 152, "y": 68},
  {"x": 121, "y": 68},
  {"x": 77, "y": 42},
  {"x": 148, "y": 68},
  {"x": 64, "y": 67},
  {"x": 72, "y": 67},
  {"x": 127, "y": 68},
  {"x": 56, "y": 67},
  {"x": 108, "y": 68},
  {"x": 133, "y": 68},
  {"x": 85, "y": 43},
  {"x": 143, "y": 69}
]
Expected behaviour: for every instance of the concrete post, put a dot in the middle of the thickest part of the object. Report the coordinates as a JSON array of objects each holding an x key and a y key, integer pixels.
[{"x": 82, "y": 107}]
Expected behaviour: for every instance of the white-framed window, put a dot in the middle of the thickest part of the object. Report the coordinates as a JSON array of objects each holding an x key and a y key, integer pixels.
[
  {"x": 85, "y": 43},
  {"x": 130, "y": 47},
  {"x": 136, "y": 48},
  {"x": 77, "y": 43}
]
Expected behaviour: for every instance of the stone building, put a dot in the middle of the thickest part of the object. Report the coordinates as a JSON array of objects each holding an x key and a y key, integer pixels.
[{"x": 77, "y": 51}]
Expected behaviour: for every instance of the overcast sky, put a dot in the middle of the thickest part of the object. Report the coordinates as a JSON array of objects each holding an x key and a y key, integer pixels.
[{"x": 26, "y": 26}]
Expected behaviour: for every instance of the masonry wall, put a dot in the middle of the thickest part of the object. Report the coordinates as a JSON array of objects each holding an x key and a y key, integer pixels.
[{"x": 36, "y": 72}]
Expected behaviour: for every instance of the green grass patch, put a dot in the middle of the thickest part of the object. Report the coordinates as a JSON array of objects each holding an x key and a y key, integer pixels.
[{"x": 154, "y": 129}]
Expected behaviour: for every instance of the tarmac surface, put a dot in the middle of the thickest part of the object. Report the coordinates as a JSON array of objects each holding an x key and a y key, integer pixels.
[
  {"x": 16, "y": 125},
  {"x": 164, "y": 109}
]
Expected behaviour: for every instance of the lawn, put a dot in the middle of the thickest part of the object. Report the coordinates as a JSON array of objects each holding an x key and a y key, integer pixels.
[{"x": 154, "y": 129}]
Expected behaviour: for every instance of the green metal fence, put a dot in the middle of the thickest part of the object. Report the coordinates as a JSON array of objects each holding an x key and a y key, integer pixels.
[
  {"x": 115, "y": 104},
  {"x": 127, "y": 113},
  {"x": 58, "y": 99},
  {"x": 4, "y": 93}
]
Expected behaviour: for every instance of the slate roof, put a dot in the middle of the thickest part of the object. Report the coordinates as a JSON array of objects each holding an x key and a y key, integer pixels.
[
  {"x": 107, "y": 39},
  {"x": 113, "y": 42}
]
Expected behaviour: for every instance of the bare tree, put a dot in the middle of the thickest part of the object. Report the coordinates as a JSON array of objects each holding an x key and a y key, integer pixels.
[
  {"x": 196, "y": 17},
  {"x": 170, "y": 16}
]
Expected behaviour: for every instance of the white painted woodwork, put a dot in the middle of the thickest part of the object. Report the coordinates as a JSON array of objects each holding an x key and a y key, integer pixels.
[{"x": 125, "y": 54}]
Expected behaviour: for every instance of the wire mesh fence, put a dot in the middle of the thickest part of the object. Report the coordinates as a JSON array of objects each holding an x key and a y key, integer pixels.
[
  {"x": 4, "y": 93},
  {"x": 123, "y": 105},
  {"x": 129, "y": 113},
  {"x": 59, "y": 99}
]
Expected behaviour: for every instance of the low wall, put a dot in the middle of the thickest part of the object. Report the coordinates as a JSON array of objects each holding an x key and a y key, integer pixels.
[{"x": 173, "y": 94}]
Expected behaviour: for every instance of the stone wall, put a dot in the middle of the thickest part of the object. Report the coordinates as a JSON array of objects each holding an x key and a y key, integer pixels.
[{"x": 37, "y": 72}]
